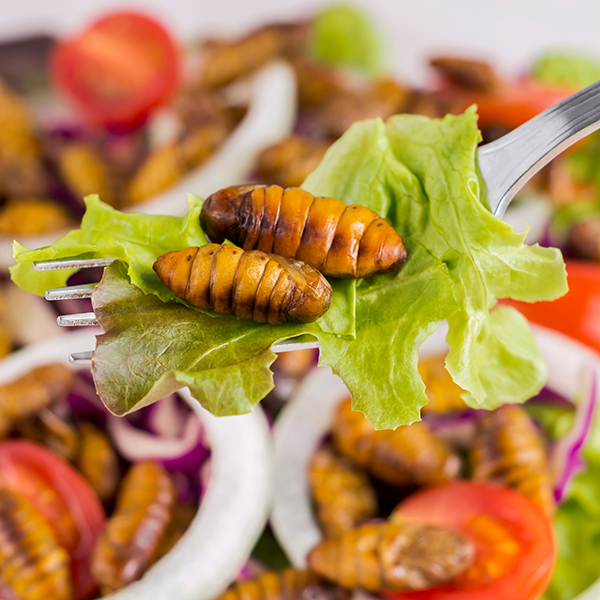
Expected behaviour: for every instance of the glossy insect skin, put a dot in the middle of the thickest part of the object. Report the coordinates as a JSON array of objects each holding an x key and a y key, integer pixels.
[
  {"x": 249, "y": 285},
  {"x": 392, "y": 556},
  {"x": 338, "y": 240},
  {"x": 509, "y": 450},
  {"x": 289, "y": 584},
  {"x": 98, "y": 461},
  {"x": 30, "y": 216},
  {"x": 32, "y": 392},
  {"x": 444, "y": 395},
  {"x": 408, "y": 455},
  {"x": 132, "y": 537},
  {"x": 342, "y": 494},
  {"x": 85, "y": 172},
  {"x": 31, "y": 561}
]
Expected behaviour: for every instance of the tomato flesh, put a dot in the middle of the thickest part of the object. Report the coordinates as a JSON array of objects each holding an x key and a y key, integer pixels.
[
  {"x": 577, "y": 313},
  {"x": 118, "y": 70},
  {"x": 62, "y": 496},
  {"x": 515, "y": 548},
  {"x": 515, "y": 103}
]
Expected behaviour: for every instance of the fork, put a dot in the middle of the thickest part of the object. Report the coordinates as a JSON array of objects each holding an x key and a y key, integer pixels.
[{"x": 505, "y": 166}]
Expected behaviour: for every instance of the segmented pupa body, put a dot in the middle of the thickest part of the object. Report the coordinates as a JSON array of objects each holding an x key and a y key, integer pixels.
[
  {"x": 337, "y": 239},
  {"x": 249, "y": 285}
]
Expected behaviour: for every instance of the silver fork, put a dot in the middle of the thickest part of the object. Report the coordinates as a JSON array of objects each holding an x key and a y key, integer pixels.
[{"x": 506, "y": 165}]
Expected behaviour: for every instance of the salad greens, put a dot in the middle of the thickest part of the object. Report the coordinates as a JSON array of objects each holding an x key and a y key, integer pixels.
[
  {"x": 418, "y": 173},
  {"x": 577, "y": 526},
  {"x": 344, "y": 36},
  {"x": 570, "y": 69}
]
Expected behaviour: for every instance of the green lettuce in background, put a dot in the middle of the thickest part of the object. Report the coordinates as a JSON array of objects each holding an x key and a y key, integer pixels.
[
  {"x": 570, "y": 69},
  {"x": 344, "y": 36},
  {"x": 418, "y": 173}
]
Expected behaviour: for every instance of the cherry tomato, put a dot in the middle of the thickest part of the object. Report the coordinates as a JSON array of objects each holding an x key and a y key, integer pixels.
[
  {"x": 515, "y": 103},
  {"x": 118, "y": 70},
  {"x": 515, "y": 549},
  {"x": 62, "y": 496},
  {"x": 577, "y": 313}
]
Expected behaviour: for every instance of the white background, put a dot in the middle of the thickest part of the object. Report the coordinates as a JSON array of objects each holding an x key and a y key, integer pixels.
[{"x": 509, "y": 32}]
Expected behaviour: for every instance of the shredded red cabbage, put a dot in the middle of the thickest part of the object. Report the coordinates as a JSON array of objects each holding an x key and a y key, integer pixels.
[{"x": 566, "y": 454}]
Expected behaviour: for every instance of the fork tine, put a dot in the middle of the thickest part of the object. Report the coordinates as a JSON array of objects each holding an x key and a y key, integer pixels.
[
  {"x": 81, "y": 358},
  {"x": 68, "y": 263},
  {"x": 77, "y": 320},
  {"x": 71, "y": 292}
]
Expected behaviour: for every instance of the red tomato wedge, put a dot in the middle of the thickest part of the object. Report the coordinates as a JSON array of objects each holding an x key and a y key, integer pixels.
[
  {"x": 62, "y": 496},
  {"x": 515, "y": 103},
  {"x": 118, "y": 70},
  {"x": 577, "y": 313},
  {"x": 514, "y": 541}
]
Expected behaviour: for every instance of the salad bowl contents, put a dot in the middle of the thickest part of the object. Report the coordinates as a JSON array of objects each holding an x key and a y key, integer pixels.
[
  {"x": 115, "y": 504},
  {"x": 519, "y": 492}
]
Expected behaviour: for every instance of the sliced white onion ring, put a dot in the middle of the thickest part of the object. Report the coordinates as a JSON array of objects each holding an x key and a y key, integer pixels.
[
  {"x": 270, "y": 118},
  {"x": 233, "y": 511}
]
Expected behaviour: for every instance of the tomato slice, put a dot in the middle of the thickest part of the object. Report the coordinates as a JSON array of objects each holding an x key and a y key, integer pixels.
[
  {"x": 515, "y": 102},
  {"x": 515, "y": 548},
  {"x": 62, "y": 496},
  {"x": 577, "y": 313},
  {"x": 118, "y": 70}
]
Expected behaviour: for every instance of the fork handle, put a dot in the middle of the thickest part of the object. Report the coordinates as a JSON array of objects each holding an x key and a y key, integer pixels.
[{"x": 508, "y": 163}]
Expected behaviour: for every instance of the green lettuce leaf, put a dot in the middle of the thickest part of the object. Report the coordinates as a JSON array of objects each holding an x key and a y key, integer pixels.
[
  {"x": 570, "y": 69},
  {"x": 344, "y": 36},
  {"x": 418, "y": 173}
]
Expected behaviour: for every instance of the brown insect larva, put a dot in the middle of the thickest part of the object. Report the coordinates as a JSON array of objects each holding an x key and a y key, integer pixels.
[
  {"x": 408, "y": 455},
  {"x": 392, "y": 556},
  {"x": 289, "y": 584},
  {"x": 338, "y": 240},
  {"x": 444, "y": 395},
  {"x": 509, "y": 450},
  {"x": 131, "y": 540},
  {"x": 98, "y": 461},
  {"x": 21, "y": 170},
  {"x": 53, "y": 432},
  {"x": 32, "y": 564},
  {"x": 342, "y": 493},
  {"x": 30, "y": 393},
  {"x": 467, "y": 73},
  {"x": 85, "y": 172},
  {"x": 289, "y": 162},
  {"x": 30, "y": 216},
  {"x": 183, "y": 515},
  {"x": 249, "y": 285}
]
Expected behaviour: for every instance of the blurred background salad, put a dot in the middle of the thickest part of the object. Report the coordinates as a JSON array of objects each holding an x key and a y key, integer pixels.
[{"x": 129, "y": 100}]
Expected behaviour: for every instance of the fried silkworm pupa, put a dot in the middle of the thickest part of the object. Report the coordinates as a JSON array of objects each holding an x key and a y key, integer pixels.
[
  {"x": 31, "y": 561},
  {"x": 53, "y": 432},
  {"x": 408, "y": 455},
  {"x": 31, "y": 216},
  {"x": 85, "y": 172},
  {"x": 249, "y": 285},
  {"x": 392, "y": 556},
  {"x": 131, "y": 540},
  {"x": 289, "y": 584},
  {"x": 444, "y": 395},
  {"x": 98, "y": 461},
  {"x": 31, "y": 393},
  {"x": 467, "y": 73},
  {"x": 338, "y": 240},
  {"x": 342, "y": 493},
  {"x": 183, "y": 515},
  {"x": 509, "y": 450}
]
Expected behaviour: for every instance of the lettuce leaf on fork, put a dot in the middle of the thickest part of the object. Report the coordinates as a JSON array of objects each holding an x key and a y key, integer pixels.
[{"x": 418, "y": 173}]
